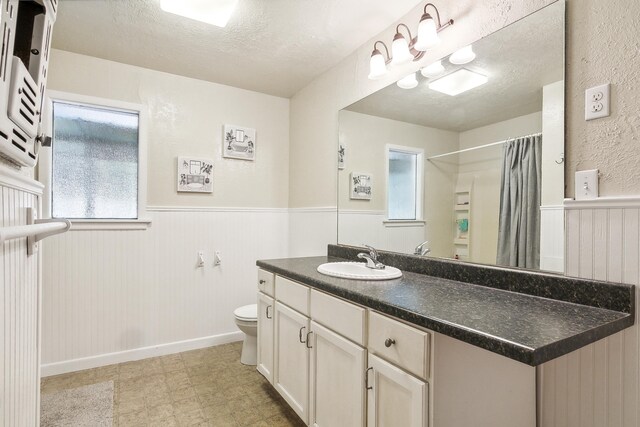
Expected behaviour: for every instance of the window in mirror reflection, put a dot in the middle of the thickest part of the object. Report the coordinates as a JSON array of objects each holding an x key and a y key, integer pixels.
[{"x": 405, "y": 175}]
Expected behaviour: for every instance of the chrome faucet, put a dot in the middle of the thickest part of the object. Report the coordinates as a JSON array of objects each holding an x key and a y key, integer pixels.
[
  {"x": 371, "y": 258},
  {"x": 421, "y": 250}
]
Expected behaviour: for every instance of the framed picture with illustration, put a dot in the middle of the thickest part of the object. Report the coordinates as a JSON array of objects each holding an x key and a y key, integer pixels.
[
  {"x": 360, "y": 186},
  {"x": 195, "y": 175},
  {"x": 239, "y": 143}
]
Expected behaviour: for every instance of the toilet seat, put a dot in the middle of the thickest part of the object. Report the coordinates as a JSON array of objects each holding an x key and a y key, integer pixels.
[{"x": 247, "y": 313}]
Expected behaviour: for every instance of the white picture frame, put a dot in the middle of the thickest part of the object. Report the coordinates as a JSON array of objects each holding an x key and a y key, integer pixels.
[
  {"x": 342, "y": 155},
  {"x": 361, "y": 187},
  {"x": 239, "y": 142},
  {"x": 195, "y": 175}
]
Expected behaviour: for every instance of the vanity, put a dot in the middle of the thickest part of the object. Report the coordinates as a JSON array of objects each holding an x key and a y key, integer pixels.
[{"x": 447, "y": 344}]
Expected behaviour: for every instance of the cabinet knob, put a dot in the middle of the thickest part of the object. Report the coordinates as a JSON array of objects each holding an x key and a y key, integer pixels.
[
  {"x": 389, "y": 342},
  {"x": 262, "y": 281}
]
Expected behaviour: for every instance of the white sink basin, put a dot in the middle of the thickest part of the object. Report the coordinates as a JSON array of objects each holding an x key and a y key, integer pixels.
[{"x": 358, "y": 271}]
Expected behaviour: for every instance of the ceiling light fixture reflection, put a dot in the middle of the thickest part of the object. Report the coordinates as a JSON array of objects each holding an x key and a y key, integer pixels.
[
  {"x": 216, "y": 12},
  {"x": 403, "y": 49},
  {"x": 458, "y": 82},
  {"x": 433, "y": 70},
  {"x": 408, "y": 82},
  {"x": 462, "y": 56}
]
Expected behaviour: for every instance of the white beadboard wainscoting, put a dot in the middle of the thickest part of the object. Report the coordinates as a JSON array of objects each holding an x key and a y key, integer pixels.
[
  {"x": 354, "y": 225},
  {"x": 116, "y": 295},
  {"x": 311, "y": 230},
  {"x": 19, "y": 308},
  {"x": 551, "y": 241},
  {"x": 598, "y": 386}
]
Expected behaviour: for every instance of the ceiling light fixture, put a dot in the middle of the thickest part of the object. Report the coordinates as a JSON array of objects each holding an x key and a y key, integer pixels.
[
  {"x": 462, "y": 56},
  {"x": 458, "y": 82},
  {"x": 215, "y": 12},
  {"x": 406, "y": 50},
  {"x": 408, "y": 82},
  {"x": 433, "y": 70}
]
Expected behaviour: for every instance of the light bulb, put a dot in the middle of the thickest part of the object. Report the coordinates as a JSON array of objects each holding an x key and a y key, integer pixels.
[
  {"x": 427, "y": 33},
  {"x": 433, "y": 70},
  {"x": 462, "y": 56},
  {"x": 408, "y": 82},
  {"x": 400, "y": 50},
  {"x": 377, "y": 65}
]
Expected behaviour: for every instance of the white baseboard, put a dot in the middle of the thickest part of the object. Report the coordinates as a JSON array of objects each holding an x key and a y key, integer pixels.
[{"x": 57, "y": 368}]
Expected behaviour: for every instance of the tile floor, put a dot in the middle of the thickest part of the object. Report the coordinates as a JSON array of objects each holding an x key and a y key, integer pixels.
[{"x": 207, "y": 387}]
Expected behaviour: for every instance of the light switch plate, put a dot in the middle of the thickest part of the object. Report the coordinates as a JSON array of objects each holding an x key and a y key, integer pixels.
[
  {"x": 587, "y": 184},
  {"x": 596, "y": 102}
]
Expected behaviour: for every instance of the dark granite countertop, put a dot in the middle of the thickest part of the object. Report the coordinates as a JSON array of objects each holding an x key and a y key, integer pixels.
[{"x": 527, "y": 328}]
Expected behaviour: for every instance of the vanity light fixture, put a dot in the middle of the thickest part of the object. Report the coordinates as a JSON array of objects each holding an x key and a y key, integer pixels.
[
  {"x": 458, "y": 82},
  {"x": 433, "y": 70},
  {"x": 408, "y": 82},
  {"x": 211, "y": 12},
  {"x": 405, "y": 50},
  {"x": 462, "y": 56}
]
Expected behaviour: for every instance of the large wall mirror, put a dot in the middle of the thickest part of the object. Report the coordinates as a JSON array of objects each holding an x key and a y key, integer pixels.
[{"x": 471, "y": 160}]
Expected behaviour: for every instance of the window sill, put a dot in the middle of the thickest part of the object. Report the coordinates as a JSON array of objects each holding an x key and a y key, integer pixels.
[
  {"x": 110, "y": 224},
  {"x": 403, "y": 223}
]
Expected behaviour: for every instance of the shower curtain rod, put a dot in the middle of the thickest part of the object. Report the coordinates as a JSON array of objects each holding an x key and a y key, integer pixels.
[{"x": 480, "y": 146}]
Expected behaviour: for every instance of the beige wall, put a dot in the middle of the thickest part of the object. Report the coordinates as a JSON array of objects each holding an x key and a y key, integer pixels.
[
  {"x": 602, "y": 46},
  {"x": 186, "y": 118},
  {"x": 480, "y": 171}
]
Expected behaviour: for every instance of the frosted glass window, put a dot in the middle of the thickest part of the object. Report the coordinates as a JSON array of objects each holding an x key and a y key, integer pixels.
[
  {"x": 403, "y": 185},
  {"x": 94, "y": 162}
]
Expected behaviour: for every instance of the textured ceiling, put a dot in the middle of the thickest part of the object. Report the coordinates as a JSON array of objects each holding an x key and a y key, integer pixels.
[
  {"x": 518, "y": 60},
  {"x": 271, "y": 46}
]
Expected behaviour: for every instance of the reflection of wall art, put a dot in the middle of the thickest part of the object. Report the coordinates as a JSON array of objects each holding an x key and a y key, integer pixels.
[
  {"x": 360, "y": 186},
  {"x": 342, "y": 155},
  {"x": 195, "y": 175},
  {"x": 239, "y": 143}
]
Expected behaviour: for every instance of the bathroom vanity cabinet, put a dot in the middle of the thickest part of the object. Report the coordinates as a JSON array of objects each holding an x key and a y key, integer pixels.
[{"x": 337, "y": 363}]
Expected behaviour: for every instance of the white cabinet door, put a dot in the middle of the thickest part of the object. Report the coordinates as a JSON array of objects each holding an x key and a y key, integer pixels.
[
  {"x": 265, "y": 336},
  {"x": 396, "y": 398},
  {"x": 337, "y": 380},
  {"x": 291, "y": 370}
]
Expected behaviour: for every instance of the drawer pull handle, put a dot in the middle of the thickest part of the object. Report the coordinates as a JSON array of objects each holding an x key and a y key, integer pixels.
[
  {"x": 308, "y": 340},
  {"x": 269, "y": 317},
  {"x": 262, "y": 281},
  {"x": 300, "y": 334},
  {"x": 366, "y": 379},
  {"x": 389, "y": 342}
]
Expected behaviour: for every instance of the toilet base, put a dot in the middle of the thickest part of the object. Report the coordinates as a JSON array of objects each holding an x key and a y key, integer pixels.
[{"x": 249, "y": 351}]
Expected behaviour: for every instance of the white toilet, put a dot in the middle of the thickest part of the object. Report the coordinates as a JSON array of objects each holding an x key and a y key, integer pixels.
[{"x": 247, "y": 321}]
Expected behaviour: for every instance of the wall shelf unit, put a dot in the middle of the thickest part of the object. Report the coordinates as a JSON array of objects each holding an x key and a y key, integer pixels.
[{"x": 462, "y": 223}]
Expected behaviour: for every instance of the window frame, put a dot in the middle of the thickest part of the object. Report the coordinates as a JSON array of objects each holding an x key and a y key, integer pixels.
[
  {"x": 419, "y": 152},
  {"x": 46, "y": 153}
]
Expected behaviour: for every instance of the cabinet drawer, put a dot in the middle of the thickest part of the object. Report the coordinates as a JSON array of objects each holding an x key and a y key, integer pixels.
[
  {"x": 293, "y": 294},
  {"x": 340, "y": 316},
  {"x": 408, "y": 346},
  {"x": 265, "y": 282}
]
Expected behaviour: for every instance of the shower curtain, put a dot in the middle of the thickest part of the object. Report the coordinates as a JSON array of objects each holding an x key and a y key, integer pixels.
[{"x": 519, "y": 226}]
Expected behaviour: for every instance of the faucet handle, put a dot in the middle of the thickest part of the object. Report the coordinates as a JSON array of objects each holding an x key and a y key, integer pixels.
[{"x": 372, "y": 251}]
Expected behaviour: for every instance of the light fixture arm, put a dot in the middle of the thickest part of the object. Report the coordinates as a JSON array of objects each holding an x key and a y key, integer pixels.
[
  {"x": 386, "y": 49},
  {"x": 408, "y": 31},
  {"x": 441, "y": 26}
]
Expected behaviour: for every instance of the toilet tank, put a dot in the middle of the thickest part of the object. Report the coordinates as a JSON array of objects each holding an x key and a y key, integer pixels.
[{"x": 25, "y": 31}]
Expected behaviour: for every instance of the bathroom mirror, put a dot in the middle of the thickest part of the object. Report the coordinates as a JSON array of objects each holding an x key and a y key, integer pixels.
[{"x": 427, "y": 164}]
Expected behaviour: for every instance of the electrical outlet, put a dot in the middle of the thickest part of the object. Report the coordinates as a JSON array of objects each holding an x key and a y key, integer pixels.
[
  {"x": 597, "y": 101},
  {"x": 587, "y": 184}
]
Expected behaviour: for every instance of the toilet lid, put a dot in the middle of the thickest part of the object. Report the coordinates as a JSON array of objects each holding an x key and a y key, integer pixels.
[{"x": 247, "y": 312}]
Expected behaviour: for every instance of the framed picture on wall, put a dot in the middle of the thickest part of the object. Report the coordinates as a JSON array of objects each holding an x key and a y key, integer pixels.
[
  {"x": 342, "y": 155},
  {"x": 195, "y": 175},
  {"x": 360, "y": 186},
  {"x": 239, "y": 143}
]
